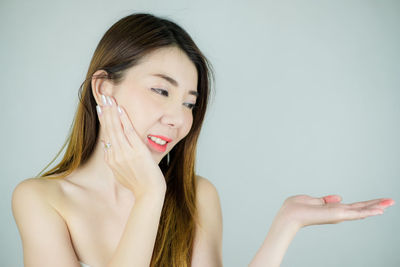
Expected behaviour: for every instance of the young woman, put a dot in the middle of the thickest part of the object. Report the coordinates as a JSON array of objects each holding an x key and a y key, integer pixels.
[{"x": 125, "y": 192}]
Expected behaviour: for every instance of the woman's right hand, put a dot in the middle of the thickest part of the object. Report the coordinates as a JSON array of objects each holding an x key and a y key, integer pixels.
[
  {"x": 303, "y": 210},
  {"x": 128, "y": 157}
]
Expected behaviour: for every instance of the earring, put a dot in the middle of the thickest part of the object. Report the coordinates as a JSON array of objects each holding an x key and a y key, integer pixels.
[{"x": 168, "y": 159}]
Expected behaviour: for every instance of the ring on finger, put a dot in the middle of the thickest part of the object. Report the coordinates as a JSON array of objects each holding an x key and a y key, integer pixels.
[{"x": 107, "y": 145}]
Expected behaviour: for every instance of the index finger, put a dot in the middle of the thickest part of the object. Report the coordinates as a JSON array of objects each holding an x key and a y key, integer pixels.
[{"x": 129, "y": 130}]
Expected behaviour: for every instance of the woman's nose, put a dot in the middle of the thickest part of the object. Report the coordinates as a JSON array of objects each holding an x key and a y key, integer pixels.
[{"x": 174, "y": 116}]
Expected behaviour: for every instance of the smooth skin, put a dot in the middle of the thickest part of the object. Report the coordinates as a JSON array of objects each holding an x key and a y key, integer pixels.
[
  {"x": 302, "y": 210},
  {"x": 106, "y": 212}
]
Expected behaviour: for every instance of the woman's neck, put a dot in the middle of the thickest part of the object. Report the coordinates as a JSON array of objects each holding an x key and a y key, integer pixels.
[{"x": 97, "y": 175}]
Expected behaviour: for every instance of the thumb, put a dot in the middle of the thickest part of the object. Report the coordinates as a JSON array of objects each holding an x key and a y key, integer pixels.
[{"x": 332, "y": 199}]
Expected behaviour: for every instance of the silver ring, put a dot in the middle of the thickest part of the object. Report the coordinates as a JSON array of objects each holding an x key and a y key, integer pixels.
[{"x": 108, "y": 145}]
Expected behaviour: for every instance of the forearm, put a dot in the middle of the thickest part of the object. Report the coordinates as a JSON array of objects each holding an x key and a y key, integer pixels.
[
  {"x": 137, "y": 242},
  {"x": 274, "y": 247}
]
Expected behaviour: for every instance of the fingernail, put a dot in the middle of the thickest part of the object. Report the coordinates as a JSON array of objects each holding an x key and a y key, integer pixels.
[
  {"x": 110, "y": 102},
  {"x": 387, "y": 202},
  {"x": 332, "y": 198},
  {"x": 376, "y": 213},
  {"x": 119, "y": 110},
  {"x": 103, "y": 98},
  {"x": 98, "y": 108}
]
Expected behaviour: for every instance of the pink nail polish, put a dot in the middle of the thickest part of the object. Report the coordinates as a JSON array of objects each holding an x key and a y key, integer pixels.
[
  {"x": 332, "y": 198},
  {"x": 387, "y": 202}
]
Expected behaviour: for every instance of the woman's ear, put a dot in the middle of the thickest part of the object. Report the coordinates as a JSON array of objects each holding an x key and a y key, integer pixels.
[{"x": 101, "y": 85}]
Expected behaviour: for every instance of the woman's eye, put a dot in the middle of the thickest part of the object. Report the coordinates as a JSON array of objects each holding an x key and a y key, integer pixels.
[
  {"x": 165, "y": 93},
  {"x": 160, "y": 91},
  {"x": 190, "y": 105}
]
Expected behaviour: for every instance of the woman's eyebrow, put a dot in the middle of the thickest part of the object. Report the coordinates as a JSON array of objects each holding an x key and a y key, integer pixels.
[{"x": 173, "y": 82}]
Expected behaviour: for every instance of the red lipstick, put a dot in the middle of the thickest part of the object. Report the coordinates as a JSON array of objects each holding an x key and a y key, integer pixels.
[{"x": 158, "y": 147}]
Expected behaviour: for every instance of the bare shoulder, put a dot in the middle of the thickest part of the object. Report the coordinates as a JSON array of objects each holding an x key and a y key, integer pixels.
[
  {"x": 208, "y": 206},
  {"x": 35, "y": 189},
  {"x": 41, "y": 227},
  {"x": 205, "y": 189},
  {"x": 33, "y": 197},
  {"x": 28, "y": 188},
  {"x": 207, "y": 250}
]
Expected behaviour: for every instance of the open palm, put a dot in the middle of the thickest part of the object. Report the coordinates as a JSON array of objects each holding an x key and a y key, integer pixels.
[{"x": 306, "y": 210}]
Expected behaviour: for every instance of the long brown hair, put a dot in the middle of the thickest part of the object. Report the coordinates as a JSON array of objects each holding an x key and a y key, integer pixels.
[{"x": 121, "y": 47}]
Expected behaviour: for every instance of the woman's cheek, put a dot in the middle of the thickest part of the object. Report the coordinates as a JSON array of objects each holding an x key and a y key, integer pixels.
[{"x": 189, "y": 124}]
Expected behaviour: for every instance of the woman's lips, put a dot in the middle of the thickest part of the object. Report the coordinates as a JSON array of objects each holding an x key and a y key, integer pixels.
[
  {"x": 162, "y": 137},
  {"x": 157, "y": 147}
]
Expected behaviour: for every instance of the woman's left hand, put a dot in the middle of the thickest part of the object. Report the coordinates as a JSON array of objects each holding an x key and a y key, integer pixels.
[{"x": 303, "y": 210}]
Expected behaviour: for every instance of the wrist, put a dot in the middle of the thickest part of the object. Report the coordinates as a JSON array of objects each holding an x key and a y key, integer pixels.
[
  {"x": 287, "y": 216},
  {"x": 286, "y": 223},
  {"x": 152, "y": 195},
  {"x": 281, "y": 233}
]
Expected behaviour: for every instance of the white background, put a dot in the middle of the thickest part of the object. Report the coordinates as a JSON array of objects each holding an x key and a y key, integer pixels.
[{"x": 307, "y": 102}]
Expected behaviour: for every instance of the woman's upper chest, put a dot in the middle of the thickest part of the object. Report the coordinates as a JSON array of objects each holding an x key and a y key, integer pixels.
[{"x": 95, "y": 224}]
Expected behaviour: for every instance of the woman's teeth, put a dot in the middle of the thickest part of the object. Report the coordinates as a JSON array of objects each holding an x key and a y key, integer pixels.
[{"x": 158, "y": 140}]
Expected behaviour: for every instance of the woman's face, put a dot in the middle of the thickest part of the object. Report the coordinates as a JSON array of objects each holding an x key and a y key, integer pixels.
[{"x": 158, "y": 94}]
